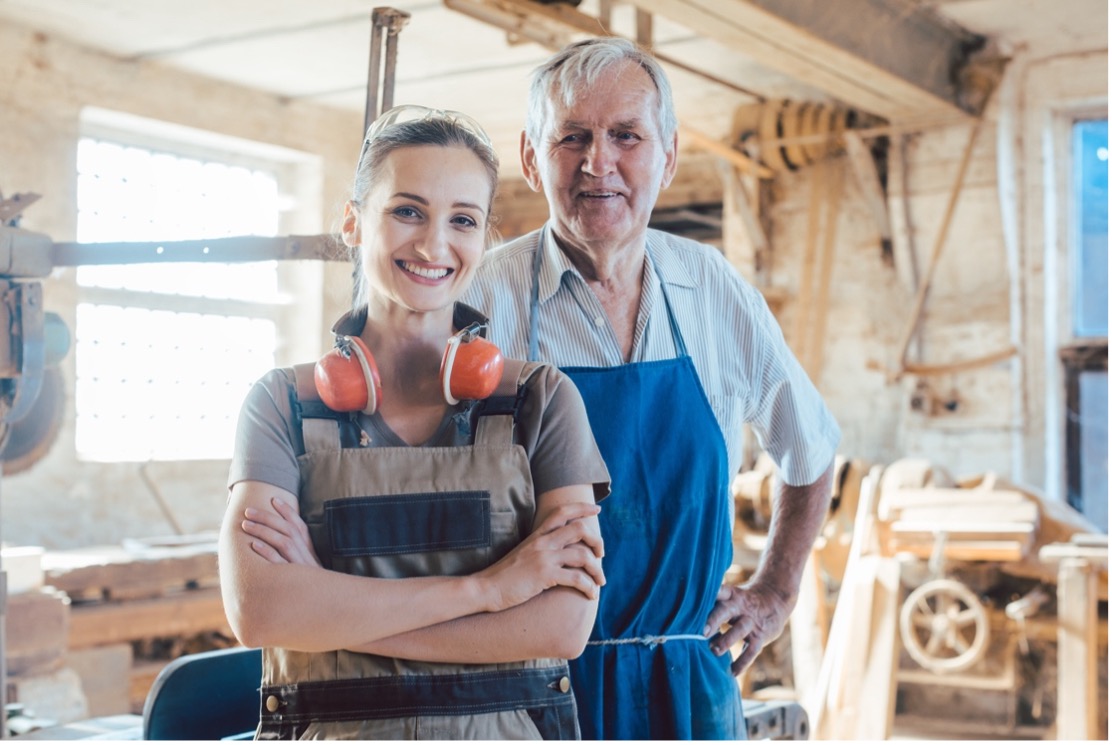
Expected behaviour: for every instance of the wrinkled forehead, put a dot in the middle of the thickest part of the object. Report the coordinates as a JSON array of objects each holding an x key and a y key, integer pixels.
[
  {"x": 571, "y": 82},
  {"x": 621, "y": 93}
]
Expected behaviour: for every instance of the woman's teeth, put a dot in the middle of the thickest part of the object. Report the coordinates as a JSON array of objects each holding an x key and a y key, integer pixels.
[{"x": 425, "y": 272}]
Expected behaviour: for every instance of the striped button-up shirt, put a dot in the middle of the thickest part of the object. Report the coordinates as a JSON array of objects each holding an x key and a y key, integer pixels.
[{"x": 745, "y": 367}]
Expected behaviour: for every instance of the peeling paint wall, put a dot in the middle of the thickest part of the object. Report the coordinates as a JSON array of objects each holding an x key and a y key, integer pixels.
[{"x": 988, "y": 291}]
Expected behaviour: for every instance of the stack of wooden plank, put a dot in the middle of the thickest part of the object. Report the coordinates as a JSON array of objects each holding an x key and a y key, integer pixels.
[
  {"x": 974, "y": 524},
  {"x": 37, "y": 619},
  {"x": 122, "y": 597}
]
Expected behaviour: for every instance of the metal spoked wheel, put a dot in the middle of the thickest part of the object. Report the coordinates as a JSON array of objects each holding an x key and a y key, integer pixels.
[{"x": 944, "y": 626}]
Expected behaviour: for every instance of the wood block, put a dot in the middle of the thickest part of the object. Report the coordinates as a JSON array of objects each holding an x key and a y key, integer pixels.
[
  {"x": 133, "y": 571},
  {"x": 177, "y": 614},
  {"x": 964, "y": 530},
  {"x": 105, "y": 674},
  {"x": 54, "y": 696},
  {"x": 37, "y": 629},
  {"x": 23, "y": 566},
  {"x": 944, "y": 515},
  {"x": 1004, "y": 550},
  {"x": 893, "y": 501}
]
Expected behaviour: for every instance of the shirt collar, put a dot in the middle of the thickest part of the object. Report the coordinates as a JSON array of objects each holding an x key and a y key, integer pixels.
[
  {"x": 554, "y": 265},
  {"x": 672, "y": 269}
]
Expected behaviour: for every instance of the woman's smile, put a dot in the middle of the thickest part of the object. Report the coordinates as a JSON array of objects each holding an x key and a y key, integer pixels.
[{"x": 420, "y": 272}]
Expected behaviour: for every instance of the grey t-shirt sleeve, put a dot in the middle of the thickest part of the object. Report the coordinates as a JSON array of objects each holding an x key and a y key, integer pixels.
[
  {"x": 264, "y": 448},
  {"x": 556, "y": 433}
]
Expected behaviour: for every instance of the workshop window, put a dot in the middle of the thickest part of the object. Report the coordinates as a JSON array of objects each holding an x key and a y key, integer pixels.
[
  {"x": 1085, "y": 357},
  {"x": 165, "y": 353}
]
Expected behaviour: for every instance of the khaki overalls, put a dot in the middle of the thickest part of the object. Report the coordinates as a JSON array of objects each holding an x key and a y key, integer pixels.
[{"x": 405, "y": 512}]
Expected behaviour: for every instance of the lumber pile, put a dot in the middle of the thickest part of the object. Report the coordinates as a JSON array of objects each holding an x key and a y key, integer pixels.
[
  {"x": 975, "y": 525},
  {"x": 127, "y": 611},
  {"x": 36, "y": 621}
]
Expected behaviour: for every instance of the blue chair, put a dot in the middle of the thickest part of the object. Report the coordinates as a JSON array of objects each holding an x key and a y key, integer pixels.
[{"x": 206, "y": 696}]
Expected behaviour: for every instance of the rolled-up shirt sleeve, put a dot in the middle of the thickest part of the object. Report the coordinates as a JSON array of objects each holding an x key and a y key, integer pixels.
[{"x": 785, "y": 410}]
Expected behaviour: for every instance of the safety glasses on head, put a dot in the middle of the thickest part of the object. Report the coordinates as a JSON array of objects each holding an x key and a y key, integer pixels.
[{"x": 415, "y": 113}]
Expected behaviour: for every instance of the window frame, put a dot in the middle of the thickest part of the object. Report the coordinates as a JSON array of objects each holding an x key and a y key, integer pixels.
[
  {"x": 1067, "y": 355},
  {"x": 298, "y": 317}
]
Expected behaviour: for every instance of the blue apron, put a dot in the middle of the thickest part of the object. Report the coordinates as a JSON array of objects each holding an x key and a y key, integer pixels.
[{"x": 648, "y": 673}]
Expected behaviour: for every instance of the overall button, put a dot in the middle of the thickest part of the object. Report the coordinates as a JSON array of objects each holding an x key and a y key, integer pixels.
[
  {"x": 272, "y": 704},
  {"x": 565, "y": 684}
]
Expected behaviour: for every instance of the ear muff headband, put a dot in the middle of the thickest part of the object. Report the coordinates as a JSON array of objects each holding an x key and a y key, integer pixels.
[
  {"x": 471, "y": 367},
  {"x": 446, "y": 367},
  {"x": 370, "y": 374}
]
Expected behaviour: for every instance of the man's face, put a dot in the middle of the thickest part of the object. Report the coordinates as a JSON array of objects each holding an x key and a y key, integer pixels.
[{"x": 601, "y": 162}]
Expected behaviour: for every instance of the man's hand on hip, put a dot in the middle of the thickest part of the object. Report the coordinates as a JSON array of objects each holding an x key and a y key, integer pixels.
[{"x": 752, "y": 614}]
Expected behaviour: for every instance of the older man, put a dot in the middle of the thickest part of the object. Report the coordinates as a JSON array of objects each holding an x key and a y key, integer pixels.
[{"x": 674, "y": 353}]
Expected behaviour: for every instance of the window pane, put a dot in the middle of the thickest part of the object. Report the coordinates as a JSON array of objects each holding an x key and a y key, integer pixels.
[
  {"x": 1093, "y": 419},
  {"x": 162, "y": 385},
  {"x": 130, "y": 194},
  {"x": 1090, "y": 286},
  {"x": 151, "y": 383}
]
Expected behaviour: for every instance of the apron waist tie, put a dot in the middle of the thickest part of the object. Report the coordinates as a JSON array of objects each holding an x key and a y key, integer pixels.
[
  {"x": 387, "y": 697},
  {"x": 648, "y": 641}
]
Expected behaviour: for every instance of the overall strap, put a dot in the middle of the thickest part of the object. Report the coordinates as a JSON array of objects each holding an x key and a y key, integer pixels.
[
  {"x": 317, "y": 424},
  {"x": 493, "y": 418}
]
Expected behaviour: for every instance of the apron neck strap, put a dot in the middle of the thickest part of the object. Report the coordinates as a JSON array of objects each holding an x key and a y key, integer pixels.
[
  {"x": 534, "y": 299},
  {"x": 677, "y": 335}
]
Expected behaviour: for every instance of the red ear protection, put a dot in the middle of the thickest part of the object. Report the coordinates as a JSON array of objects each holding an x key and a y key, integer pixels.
[
  {"x": 347, "y": 378},
  {"x": 471, "y": 366}
]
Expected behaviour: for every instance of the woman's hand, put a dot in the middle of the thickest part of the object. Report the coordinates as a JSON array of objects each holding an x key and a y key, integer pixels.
[
  {"x": 280, "y": 537},
  {"x": 565, "y": 549}
]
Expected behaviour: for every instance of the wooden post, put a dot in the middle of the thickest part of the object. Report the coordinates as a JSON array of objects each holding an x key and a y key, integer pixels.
[
  {"x": 1077, "y": 651},
  {"x": 1080, "y": 562}
]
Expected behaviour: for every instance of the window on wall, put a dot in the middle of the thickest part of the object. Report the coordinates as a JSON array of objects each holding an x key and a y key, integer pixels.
[
  {"x": 164, "y": 353},
  {"x": 1085, "y": 357}
]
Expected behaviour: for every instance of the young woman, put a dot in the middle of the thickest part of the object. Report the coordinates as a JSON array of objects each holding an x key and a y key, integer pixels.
[{"x": 411, "y": 531}]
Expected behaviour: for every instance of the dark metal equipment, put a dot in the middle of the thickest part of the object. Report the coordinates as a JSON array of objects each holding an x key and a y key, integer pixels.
[{"x": 32, "y": 341}]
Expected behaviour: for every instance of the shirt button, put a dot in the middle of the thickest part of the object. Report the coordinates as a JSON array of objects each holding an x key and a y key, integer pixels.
[
  {"x": 565, "y": 684},
  {"x": 599, "y": 321},
  {"x": 272, "y": 704}
]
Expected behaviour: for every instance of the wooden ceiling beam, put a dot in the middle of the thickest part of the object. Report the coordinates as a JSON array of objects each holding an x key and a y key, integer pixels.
[{"x": 893, "y": 58}]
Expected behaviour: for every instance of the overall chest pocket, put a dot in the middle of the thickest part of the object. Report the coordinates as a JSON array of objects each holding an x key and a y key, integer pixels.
[
  {"x": 408, "y": 523},
  {"x": 418, "y": 534}
]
